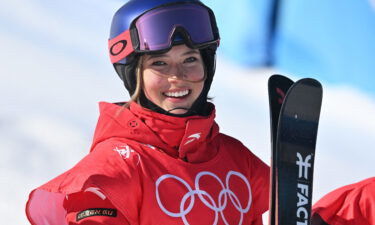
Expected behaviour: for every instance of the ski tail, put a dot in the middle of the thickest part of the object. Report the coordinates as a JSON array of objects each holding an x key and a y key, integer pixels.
[{"x": 278, "y": 86}]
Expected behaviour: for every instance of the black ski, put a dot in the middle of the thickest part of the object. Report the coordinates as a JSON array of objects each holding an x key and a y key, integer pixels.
[
  {"x": 277, "y": 88},
  {"x": 294, "y": 152}
]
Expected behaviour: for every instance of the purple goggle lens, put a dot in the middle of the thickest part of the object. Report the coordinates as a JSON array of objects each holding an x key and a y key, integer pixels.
[{"x": 156, "y": 27}]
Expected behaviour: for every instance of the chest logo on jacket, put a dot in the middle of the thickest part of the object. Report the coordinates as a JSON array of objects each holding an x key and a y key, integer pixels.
[
  {"x": 193, "y": 137},
  {"x": 180, "y": 199},
  {"x": 126, "y": 153}
]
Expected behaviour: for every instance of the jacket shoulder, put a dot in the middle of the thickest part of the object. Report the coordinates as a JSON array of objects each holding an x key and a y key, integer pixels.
[
  {"x": 226, "y": 139},
  {"x": 235, "y": 145},
  {"x": 109, "y": 167}
]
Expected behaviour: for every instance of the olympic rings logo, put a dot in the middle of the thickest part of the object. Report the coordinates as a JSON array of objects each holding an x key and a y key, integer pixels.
[{"x": 217, "y": 206}]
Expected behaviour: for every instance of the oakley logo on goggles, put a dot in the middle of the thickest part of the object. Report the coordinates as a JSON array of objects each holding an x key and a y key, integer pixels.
[{"x": 154, "y": 30}]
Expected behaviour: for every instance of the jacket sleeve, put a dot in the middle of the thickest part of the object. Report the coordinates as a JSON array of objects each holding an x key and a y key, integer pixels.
[
  {"x": 350, "y": 204},
  {"x": 91, "y": 207},
  {"x": 70, "y": 198},
  {"x": 260, "y": 181}
]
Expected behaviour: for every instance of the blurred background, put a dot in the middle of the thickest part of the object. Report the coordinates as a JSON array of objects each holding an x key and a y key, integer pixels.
[{"x": 55, "y": 68}]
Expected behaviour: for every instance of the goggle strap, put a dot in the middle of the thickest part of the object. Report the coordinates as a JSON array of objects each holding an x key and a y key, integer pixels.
[{"x": 120, "y": 47}]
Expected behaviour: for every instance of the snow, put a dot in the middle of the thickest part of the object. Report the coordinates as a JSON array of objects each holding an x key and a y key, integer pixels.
[{"x": 55, "y": 69}]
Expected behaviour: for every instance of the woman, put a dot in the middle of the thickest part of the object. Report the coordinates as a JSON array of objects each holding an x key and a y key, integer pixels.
[{"x": 159, "y": 158}]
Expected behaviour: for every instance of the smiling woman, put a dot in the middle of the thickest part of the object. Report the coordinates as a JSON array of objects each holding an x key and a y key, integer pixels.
[{"x": 159, "y": 158}]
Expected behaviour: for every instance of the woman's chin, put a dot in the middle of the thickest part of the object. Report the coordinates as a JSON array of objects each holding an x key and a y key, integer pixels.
[{"x": 178, "y": 111}]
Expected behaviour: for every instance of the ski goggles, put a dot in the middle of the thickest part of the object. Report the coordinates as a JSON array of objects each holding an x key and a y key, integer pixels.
[{"x": 155, "y": 31}]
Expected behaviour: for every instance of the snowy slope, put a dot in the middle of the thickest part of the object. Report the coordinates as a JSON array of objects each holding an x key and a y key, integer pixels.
[{"x": 54, "y": 69}]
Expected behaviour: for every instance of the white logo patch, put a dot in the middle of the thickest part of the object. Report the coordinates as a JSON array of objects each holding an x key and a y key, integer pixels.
[
  {"x": 96, "y": 191},
  {"x": 193, "y": 137},
  {"x": 217, "y": 205},
  {"x": 126, "y": 152},
  {"x": 304, "y": 165}
]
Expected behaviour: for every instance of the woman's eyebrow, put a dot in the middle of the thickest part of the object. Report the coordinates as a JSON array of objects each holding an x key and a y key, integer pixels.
[
  {"x": 191, "y": 52},
  {"x": 155, "y": 56}
]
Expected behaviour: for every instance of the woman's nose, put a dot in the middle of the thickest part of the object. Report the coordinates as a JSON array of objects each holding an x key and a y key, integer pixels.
[{"x": 177, "y": 72}]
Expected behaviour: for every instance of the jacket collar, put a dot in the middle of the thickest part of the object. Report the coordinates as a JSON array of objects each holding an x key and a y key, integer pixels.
[{"x": 186, "y": 138}]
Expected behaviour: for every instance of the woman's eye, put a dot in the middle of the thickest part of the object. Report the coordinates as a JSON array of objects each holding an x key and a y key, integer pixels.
[
  {"x": 191, "y": 59},
  {"x": 158, "y": 63}
]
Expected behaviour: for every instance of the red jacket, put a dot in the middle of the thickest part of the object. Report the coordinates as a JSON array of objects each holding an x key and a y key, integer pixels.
[
  {"x": 353, "y": 204},
  {"x": 149, "y": 168}
]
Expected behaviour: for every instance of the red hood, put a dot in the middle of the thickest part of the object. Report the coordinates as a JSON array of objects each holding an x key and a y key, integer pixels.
[{"x": 187, "y": 138}]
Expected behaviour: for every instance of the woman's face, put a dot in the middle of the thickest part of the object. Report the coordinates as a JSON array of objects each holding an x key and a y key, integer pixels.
[{"x": 174, "y": 80}]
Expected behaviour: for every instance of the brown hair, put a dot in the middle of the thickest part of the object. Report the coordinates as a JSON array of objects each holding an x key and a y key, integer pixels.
[{"x": 139, "y": 80}]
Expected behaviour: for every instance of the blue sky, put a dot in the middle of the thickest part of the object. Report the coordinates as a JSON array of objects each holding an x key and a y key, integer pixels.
[{"x": 55, "y": 69}]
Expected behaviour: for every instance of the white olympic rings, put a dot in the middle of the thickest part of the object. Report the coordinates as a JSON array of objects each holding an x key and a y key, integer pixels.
[{"x": 217, "y": 207}]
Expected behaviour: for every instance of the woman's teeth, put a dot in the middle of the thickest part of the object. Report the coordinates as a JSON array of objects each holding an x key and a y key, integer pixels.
[{"x": 177, "y": 94}]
